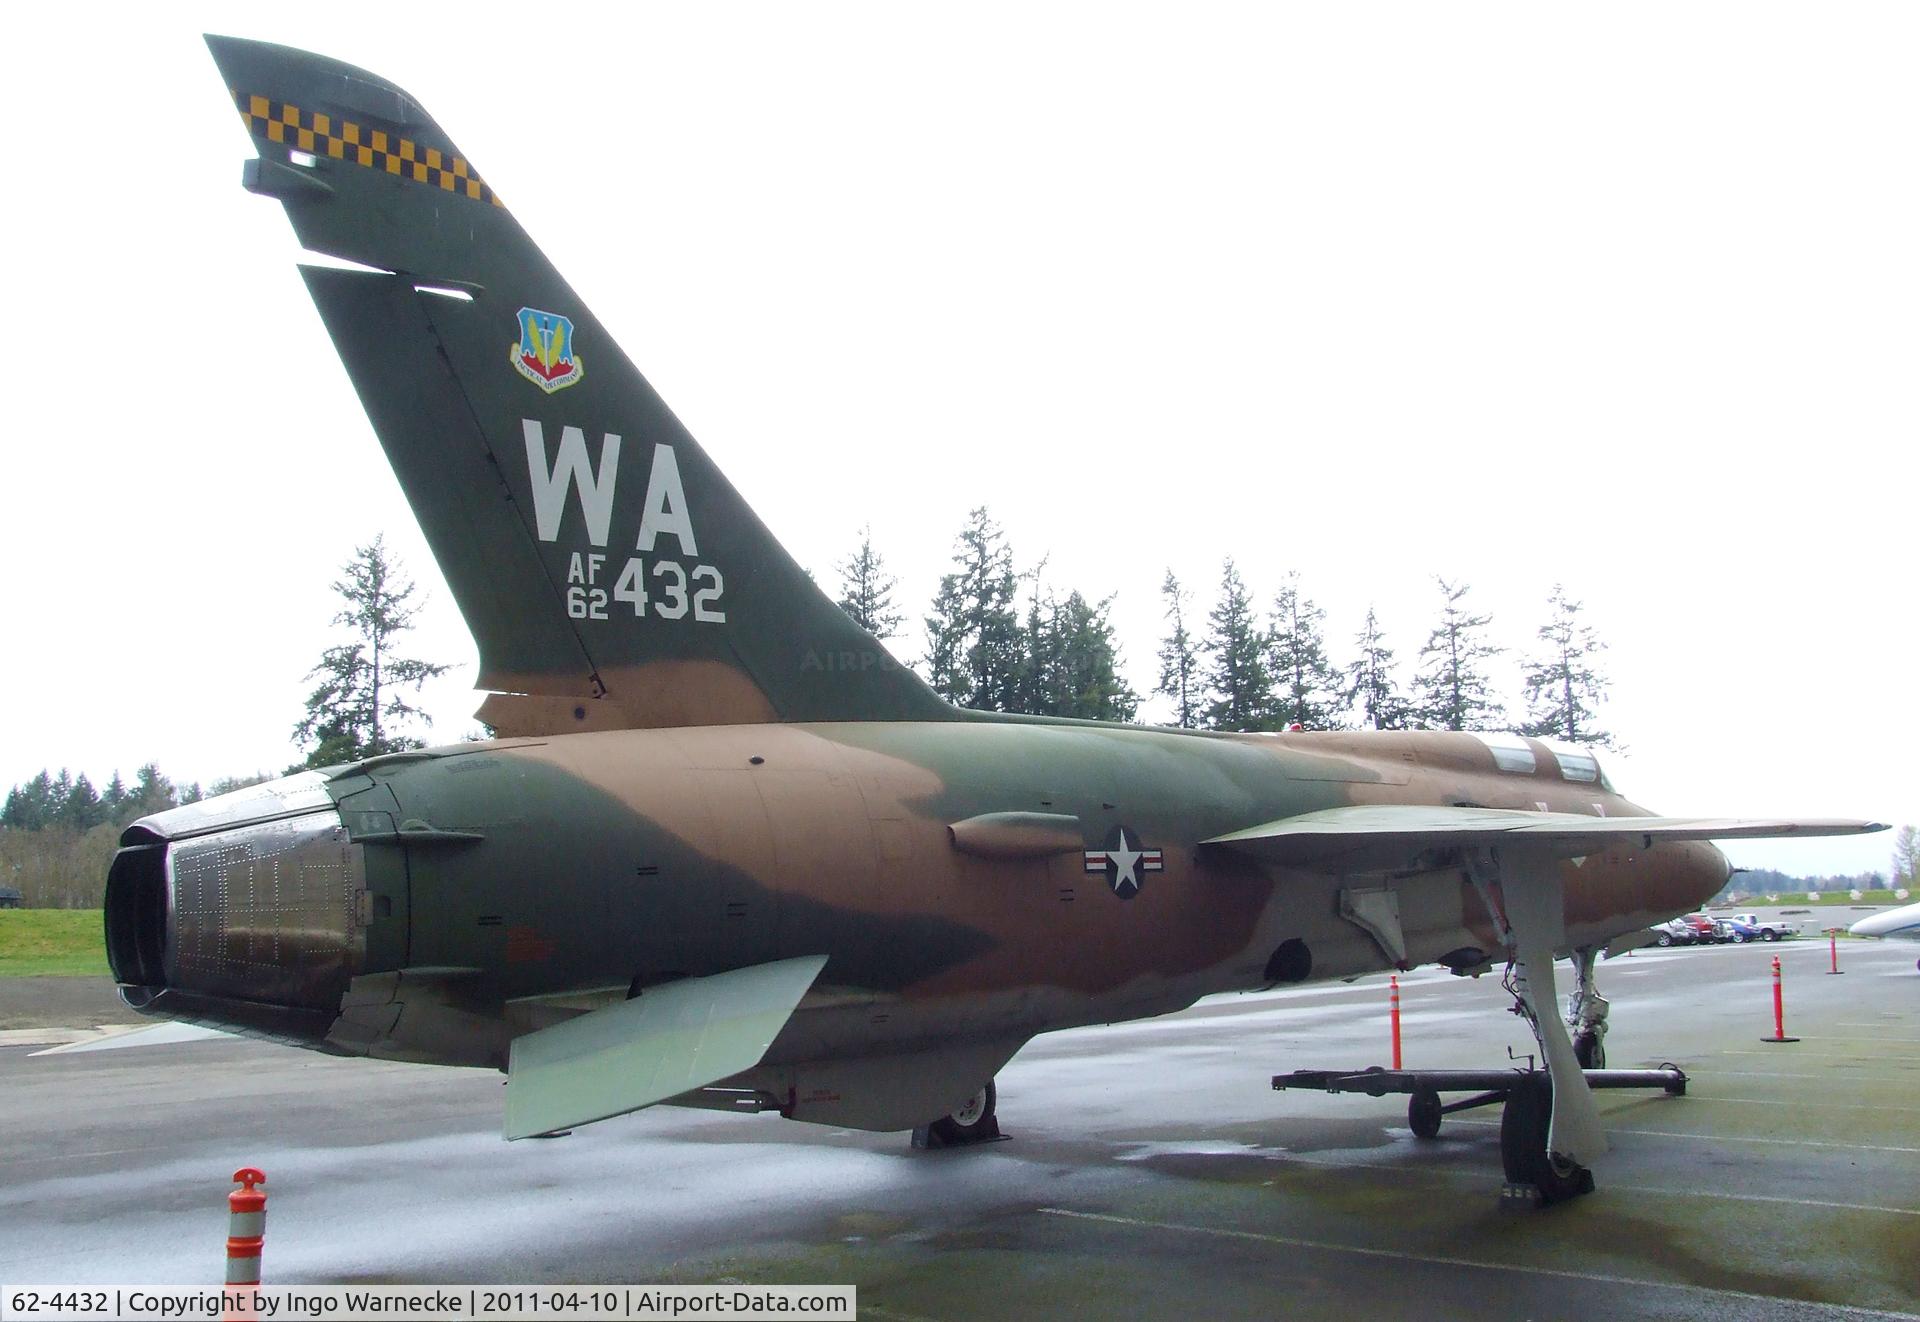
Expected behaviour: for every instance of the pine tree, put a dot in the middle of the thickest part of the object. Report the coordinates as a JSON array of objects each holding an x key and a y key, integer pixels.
[
  {"x": 356, "y": 710},
  {"x": 152, "y": 793},
  {"x": 1564, "y": 685},
  {"x": 1452, "y": 691},
  {"x": 30, "y": 807},
  {"x": 1072, "y": 664},
  {"x": 1306, "y": 686},
  {"x": 114, "y": 797},
  {"x": 57, "y": 798},
  {"x": 974, "y": 638},
  {"x": 1179, "y": 657},
  {"x": 866, "y": 590},
  {"x": 81, "y": 809},
  {"x": 1370, "y": 686},
  {"x": 1240, "y": 689}
]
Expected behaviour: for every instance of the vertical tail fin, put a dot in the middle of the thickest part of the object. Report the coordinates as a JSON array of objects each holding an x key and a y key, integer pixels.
[{"x": 611, "y": 575}]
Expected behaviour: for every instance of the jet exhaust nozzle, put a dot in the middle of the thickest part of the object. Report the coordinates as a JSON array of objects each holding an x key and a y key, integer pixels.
[{"x": 243, "y": 912}]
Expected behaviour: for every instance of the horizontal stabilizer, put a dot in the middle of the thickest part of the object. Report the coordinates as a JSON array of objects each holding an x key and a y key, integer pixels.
[
  {"x": 667, "y": 1041},
  {"x": 1373, "y": 836}
]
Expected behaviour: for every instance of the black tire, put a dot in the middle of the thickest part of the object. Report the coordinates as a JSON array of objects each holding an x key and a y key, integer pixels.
[
  {"x": 1423, "y": 1113},
  {"x": 1740, "y": 938},
  {"x": 1664, "y": 939},
  {"x": 1770, "y": 935},
  {"x": 1523, "y": 1143},
  {"x": 1590, "y": 1051},
  {"x": 972, "y": 1122}
]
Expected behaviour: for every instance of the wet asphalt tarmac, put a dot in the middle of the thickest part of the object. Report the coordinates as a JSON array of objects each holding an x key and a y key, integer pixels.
[{"x": 1151, "y": 1169}]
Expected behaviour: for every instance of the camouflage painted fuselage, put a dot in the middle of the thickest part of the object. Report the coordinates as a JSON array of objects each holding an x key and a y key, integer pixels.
[{"x": 522, "y": 881}]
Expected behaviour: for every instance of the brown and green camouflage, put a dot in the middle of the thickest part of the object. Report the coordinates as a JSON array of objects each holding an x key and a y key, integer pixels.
[{"x": 706, "y": 768}]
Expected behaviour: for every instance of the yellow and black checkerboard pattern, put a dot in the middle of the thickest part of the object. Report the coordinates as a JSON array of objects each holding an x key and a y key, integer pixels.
[{"x": 343, "y": 140}]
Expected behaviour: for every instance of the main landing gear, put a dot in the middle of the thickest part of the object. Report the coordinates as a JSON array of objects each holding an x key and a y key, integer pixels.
[
  {"x": 972, "y": 1122},
  {"x": 1535, "y": 1174},
  {"x": 1550, "y": 1130}
]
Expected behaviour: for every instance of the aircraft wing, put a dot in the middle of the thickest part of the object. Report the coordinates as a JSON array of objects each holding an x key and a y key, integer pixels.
[{"x": 1391, "y": 835}]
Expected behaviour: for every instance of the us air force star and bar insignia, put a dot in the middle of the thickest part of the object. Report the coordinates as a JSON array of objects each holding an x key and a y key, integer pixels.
[
  {"x": 544, "y": 353},
  {"x": 1124, "y": 862}
]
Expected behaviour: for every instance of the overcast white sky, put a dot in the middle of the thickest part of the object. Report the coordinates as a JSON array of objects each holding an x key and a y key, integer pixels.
[{"x": 1517, "y": 294}]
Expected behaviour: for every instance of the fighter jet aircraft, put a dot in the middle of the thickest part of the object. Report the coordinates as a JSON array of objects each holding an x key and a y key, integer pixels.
[{"x": 726, "y": 851}]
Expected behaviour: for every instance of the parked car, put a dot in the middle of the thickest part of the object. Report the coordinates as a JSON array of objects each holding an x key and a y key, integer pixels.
[
  {"x": 1735, "y": 930},
  {"x": 1674, "y": 933},
  {"x": 1771, "y": 930},
  {"x": 1703, "y": 929}
]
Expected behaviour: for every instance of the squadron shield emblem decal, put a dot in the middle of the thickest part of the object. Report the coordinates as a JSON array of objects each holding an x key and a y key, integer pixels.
[
  {"x": 1125, "y": 862},
  {"x": 544, "y": 353}
]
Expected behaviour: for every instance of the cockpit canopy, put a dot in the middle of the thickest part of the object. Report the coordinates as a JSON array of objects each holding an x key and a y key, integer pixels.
[{"x": 1514, "y": 752}]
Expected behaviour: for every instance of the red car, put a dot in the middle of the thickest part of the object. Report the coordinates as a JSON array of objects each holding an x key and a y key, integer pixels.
[{"x": 1703, "y": 929}]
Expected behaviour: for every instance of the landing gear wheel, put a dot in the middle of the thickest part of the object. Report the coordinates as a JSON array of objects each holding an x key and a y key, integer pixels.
[
  {"x": 971, "y": 1122},
  {"x": 1590, "y": 1051},
  {"x": 1423, "y": 1114},
  {"x": 1524, "y": 1122}
]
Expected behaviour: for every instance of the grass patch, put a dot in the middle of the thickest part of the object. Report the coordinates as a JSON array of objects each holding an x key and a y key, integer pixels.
[
  {"x": 1798, "y": 899},
  {"x": 61, "y": 943}
]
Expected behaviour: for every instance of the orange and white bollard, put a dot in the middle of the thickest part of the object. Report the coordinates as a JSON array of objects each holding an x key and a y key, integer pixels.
[
  {"x": 246, "y": 1227},
  {"x": 1833, "y": 951},
  {"x": 1393, "y": 1014},
  {"x": 1779, "y": 1009}
]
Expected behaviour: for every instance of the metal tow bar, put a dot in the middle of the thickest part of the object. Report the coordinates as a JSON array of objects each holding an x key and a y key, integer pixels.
[{"x": 1487, "y": 1088}]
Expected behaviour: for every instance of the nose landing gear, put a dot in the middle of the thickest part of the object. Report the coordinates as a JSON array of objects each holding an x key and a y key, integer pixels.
[{"x": 1587, "y": 1013}]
